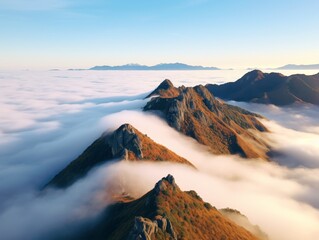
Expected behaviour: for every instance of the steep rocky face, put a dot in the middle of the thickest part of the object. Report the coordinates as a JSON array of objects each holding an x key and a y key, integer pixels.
[
  {"x": 165, "y": 212},
  {"x": 124, "y": 139},
  {"x": 224, "y": 128},
  {"x": 145, "y": 228},
  {"x": 270, "y": 88},
  {"x": 124, "y": 143}
]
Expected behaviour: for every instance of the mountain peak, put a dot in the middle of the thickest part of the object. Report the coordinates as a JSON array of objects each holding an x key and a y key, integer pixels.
[
  {"x": 166, "y": 88},
  {"x": 127, "y": 143},
  {"x": 125, "y": 139},
  {"x": 165, "y": 183},
  {"x": 166, "y": 84},
  {"x": 126, "y": 127},
  {"x": 169, "y": 178},
  {"x": 252, "y": 76},
  {"x": 270, "y": 88},
  {"x": 195, "y": 112},
  {"x": 168, "y": 214}
]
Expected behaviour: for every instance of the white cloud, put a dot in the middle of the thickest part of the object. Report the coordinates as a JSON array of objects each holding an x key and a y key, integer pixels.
[{"x": 49, "y": 118}]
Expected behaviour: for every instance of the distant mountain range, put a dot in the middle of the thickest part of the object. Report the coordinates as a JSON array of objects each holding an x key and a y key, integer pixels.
[
  {"x": 270, "y": 88},
  {"x": 299, "y": 67},
  {"x": 162, "y": 66}
]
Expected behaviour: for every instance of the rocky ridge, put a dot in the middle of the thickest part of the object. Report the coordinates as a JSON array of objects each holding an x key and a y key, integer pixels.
[
  {"x": 270, "y": 88},
  {"x": 165, "y": 212},
  {"x": 124, "y": 143},
  {"x": 195, "y": 112}
]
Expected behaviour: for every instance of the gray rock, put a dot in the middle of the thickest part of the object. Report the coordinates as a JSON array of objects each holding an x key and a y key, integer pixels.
[
  {"x": 124, "y": 139},
  {"x": 145, "y": 228},
  {"x": 165, "y": 183},
  {"x": 166, "y": 226}
]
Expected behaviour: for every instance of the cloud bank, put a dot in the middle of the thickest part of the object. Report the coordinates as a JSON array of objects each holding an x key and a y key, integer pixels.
[
  {"x": 271, "y": 195},
  {"x": 49, "y": 118}
]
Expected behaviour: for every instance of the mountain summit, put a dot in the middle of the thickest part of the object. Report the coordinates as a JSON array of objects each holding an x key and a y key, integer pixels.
[
  {"x": 165, "y": 89},
  {"x": 124, "y": 143},
  {"x": 195, "y": 112},
  {"x": 165, "y": 212},
  {"x": 270, "y": 88}
]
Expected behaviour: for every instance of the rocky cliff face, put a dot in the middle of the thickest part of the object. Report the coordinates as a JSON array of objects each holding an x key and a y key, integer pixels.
[
  {"x": 124, "y": 143},
  {"x": 195, "y": 112},
  {"x": 122, "y": 140},
  {"x": 270, "y": 88},
  {"x": 145, "y": 228},
  {"x": 165, "y": 212}
]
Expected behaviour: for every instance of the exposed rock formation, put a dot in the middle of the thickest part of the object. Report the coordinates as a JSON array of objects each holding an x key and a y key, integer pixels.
[
  {"x": 124, "y": 139},
  {"x": 196, "y": 113},
  {"x": 124, "y": 143},
  {"x": 145, "y": 228},
  {"x": 165, "y": 212},
  {"x": 270, "y": 88},
  {"x": 165, "y": 183}
]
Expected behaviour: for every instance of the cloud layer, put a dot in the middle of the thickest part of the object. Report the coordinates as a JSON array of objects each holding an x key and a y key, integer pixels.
[
  {"x": 49, "y": 118},
  {"x": 258, "y": 189}
]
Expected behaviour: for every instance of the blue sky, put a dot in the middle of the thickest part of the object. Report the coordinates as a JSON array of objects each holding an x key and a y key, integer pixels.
[{"x": 42, "y": 34}]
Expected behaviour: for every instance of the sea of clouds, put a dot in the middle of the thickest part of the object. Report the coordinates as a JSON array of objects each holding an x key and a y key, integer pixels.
[{"x": 48, "y": 118}]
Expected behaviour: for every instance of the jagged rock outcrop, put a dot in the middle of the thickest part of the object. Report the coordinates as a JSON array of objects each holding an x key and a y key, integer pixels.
[
  {"x": 195, "y": 112},
  {"x": 163, "y": 186},
  {"x": 124, "y": 143},
  {"x": 145, "y": 229},
  {"x": 165, "y": 212},
  {"x": 270, "y": 88},
  {"x": 124, "y": 139}
]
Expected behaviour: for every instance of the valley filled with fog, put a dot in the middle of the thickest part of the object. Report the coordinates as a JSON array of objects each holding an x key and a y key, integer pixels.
[{"x": 48, "y": 118}]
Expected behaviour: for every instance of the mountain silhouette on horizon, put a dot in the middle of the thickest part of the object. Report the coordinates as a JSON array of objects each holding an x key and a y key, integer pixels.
[
  {"x": 299, "y": 67},
  {"x": 161, "y": 66}
]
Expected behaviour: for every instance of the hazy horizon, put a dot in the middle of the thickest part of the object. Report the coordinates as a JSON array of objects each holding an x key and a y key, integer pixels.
[{"x": 228, "y": 34}]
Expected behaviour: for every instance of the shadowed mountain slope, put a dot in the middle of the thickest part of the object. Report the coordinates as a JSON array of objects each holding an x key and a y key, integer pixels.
[
  {"x": 194, "y": 111},
  {"x": 270, "y": 88},
  {"x": 243, "y": 221},
  {"x": 124, "y": 143},
  {"x": 165, "y": 212}
]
